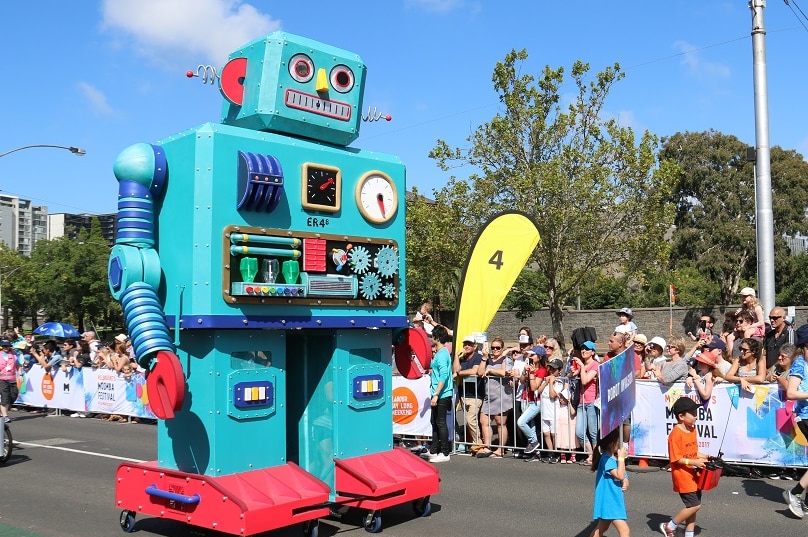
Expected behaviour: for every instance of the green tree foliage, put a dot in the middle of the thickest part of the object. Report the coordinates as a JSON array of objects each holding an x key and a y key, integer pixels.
[
  {"x": 437, "y": 246},
  {"x": 71, "y": 279},
  {"x": 593, "y": 189},
  {"x": 715, "y": 205}
]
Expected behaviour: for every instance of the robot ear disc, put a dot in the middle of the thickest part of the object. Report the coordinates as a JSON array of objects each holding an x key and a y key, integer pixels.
[{"x": 231, "y": 81}]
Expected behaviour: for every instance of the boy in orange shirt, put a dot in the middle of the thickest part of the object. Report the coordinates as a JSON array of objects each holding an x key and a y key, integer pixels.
[{"x": 683, "y": 452}]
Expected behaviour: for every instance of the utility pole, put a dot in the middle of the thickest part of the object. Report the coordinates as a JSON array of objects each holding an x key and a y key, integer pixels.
[{"x": 763, "y": 179}]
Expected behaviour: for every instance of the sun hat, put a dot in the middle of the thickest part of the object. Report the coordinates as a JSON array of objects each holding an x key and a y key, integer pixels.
[
  {"x": 747, "y": 291},
  {"x": 627, "y": 312},
  {"x": 640, "y": 338},
  {"x": 659, "y": 342},
  {"x": 123, "y": 337},
  {"x": 706, "y": 358}
]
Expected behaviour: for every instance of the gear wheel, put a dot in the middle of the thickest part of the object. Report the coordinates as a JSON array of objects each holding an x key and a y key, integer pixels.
[
  {"x": 370, "y": 286},
  {"x": 386, "y": 261},
  {"x": 389, "y": 290},
  {"x": 359, "y": 259}
]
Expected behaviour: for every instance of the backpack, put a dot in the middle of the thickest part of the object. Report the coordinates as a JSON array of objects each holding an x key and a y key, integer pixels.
[{"x": 586, "y": 333}]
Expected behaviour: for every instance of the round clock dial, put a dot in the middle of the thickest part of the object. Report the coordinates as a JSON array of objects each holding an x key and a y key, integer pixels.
[
  {"x": 376, "y": 197},
  {"x": 321, "y": 187}
]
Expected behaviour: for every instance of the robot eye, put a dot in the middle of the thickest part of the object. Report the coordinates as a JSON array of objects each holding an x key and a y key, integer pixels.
[
  {"x": 342, "y": 78},
  {"x": 301, "y": 68}
]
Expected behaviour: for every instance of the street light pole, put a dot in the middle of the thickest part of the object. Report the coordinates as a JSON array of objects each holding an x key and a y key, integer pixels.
[{"x": 75, "y": 150}]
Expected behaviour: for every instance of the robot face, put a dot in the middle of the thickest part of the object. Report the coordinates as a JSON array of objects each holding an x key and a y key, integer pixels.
[{"x": 293, "y": 85}]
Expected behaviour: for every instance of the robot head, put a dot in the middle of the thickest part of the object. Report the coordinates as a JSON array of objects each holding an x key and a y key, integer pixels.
[{"x": 292, "y": 85}]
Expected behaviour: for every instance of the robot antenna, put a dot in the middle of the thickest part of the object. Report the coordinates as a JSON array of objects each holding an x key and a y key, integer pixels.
[
  {"x": 374, "y": 115},
  {"x": 207, "y": 73}
]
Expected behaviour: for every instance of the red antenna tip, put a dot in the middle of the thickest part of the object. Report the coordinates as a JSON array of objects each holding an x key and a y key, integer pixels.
[
  {"x": 189, "y": 74},
  {"x": 388, "y": 117}
]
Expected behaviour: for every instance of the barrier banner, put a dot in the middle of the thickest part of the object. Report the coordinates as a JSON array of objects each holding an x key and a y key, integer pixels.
[
  {"x": 85, "y": 390},
  {"x": 752, "y": 427},
  {"x": 412, "y": 412}
]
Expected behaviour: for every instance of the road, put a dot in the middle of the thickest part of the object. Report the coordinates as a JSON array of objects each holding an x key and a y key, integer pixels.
[{"x": 60, "y": 483}]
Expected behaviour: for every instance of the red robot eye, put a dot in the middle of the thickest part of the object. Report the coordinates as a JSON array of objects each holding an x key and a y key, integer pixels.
[
  {"x": 301, "y": 68},
  {"x": 342, "y": 78}
]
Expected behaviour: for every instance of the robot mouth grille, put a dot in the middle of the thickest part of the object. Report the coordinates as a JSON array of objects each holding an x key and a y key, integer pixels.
[{"x": 316, "y": 105}]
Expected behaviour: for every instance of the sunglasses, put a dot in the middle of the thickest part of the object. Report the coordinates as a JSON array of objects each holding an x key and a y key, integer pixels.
[
  {"x": 746, "y": 349},
  {"x": 549, "y": 347},
  {"x": 775, "y": 318},
  {"x": 469, "y": 343},
  {"x": 496, "y": 348}
]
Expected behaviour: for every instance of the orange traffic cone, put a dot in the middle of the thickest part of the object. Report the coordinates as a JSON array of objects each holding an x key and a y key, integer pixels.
[{"x": 642, "y": 463}]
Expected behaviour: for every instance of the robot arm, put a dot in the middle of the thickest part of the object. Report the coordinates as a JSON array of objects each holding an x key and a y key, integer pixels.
[{"x": 134, "y": 275}]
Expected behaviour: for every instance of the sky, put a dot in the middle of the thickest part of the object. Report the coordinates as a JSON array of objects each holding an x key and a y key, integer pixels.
[{"x": 105, "y": 74}]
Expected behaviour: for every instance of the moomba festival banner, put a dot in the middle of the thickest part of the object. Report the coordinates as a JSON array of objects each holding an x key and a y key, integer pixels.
[
  {"x": 753, "y": 427},
  {"x": 85, "y": 390}
]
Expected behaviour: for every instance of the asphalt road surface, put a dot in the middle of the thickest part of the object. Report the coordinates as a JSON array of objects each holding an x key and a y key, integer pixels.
[{"x": 60, "y": 483}]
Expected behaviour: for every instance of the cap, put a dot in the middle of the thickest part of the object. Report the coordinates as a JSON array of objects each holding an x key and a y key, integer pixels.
[
  {"x": 716, "y": 343},
  {"x": 467, "y": 339},
  {"x": 525, "y": 339},
  {"x": 659, "y": 342},
  {"x": 539, "y": 350},
  {"x": 123, "y": 337},
  {"x": 556, "y": 363},
  {"x": 640, "y": 338},
  {"x": 21, "y": 345},
  {"x": 588, "y": 345},
  {"x": 801, "y": 335},
  {"x": 626, "y": 311},
  {"x": 684, "y": 404},
  {"x": 747, "y": 291},
  {"x": 706, "y": 358},
  {"x": 5, "y": 343}
]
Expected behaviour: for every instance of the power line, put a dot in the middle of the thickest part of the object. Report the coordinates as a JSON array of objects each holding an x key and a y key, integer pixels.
[{"x": 795, "y": 13}]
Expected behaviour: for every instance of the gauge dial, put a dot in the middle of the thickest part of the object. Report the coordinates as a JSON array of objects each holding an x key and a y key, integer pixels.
[
  {"x": 322, "y": 187},
  {"x": 376, "y": 197}
]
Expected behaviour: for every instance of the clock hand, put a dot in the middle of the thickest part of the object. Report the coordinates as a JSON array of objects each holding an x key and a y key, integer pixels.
[
  {"x": 380, "y": 199},
  {"x": 327, "y": 183}
]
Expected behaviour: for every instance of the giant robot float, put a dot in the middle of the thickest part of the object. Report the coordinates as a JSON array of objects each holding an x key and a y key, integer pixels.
[{"x": 259, "y": 264}]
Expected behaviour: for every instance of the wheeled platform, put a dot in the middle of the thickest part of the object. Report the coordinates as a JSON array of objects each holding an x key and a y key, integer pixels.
[{"x": 253, "y": 502}]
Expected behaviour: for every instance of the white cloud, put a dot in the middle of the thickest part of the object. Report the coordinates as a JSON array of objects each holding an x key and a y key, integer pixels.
[
  {"x": 96, "y": 98},
  {"x": 436, "y": 6},
  {"x": 697, "y": 65},
  {"x": 169, "y": 30}
]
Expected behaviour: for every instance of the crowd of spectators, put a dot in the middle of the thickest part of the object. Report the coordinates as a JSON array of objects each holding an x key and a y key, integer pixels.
[
  {"x": 540, "y": 404},
  {"x": 67, "y": 355}
]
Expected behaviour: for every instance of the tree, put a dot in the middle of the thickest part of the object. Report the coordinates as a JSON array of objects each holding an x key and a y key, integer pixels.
[
  {"x": 594, "y": 191},
  {"x": 715, "y": 205},
  {"x": 72, "y": 278},
  {"x": 436, "y": 250}
]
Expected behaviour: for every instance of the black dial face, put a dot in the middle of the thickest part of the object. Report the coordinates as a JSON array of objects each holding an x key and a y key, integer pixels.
[{"x": 321, "y": 188}]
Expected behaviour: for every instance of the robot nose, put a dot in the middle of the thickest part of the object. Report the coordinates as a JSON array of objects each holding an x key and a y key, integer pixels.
[{"x": 322, "y": 81}]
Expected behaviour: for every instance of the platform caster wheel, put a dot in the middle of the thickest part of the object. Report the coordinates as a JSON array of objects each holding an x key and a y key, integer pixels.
[
  {"x": 311, "y": 528},
  {"x": 373, "y": 522},
  {"x": 127, "y": 521},
  {"x": 422, "y": 507}
]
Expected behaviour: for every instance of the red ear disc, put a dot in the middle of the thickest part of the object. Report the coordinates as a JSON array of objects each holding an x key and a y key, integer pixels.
[
  {"x": 231, "y": 81},
  {"x": 166, "y": 385},
  {"x": 413, "y": 353}
]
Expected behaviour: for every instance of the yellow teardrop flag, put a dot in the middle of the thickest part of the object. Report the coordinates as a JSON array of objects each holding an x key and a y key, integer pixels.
[{"x": 497, "y": 257}]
